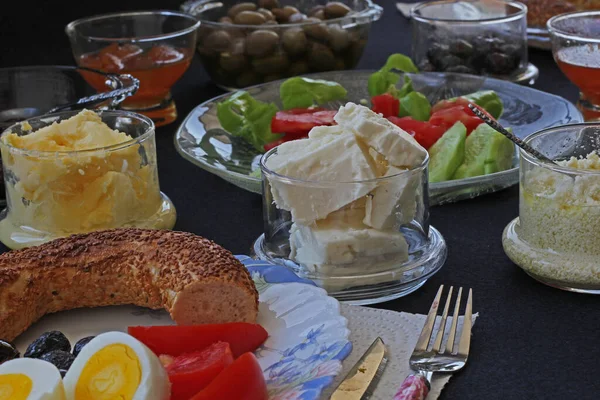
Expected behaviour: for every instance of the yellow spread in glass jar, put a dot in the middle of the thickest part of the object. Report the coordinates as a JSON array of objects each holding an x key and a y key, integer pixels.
[{"x": 80, "y": 175}]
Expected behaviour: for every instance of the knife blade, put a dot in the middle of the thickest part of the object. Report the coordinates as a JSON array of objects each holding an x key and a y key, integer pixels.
[{"x": 361, "y": 380}]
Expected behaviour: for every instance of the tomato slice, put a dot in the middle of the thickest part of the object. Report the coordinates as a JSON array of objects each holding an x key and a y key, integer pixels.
[
  {"x": 386, "y": 104},
  {"x": 175, "y": 340},
  {"x": 192, "y": 372},
  {"x": 444, "y": 104},
  {"x": 242, "y": 380},
  {"x": 449, "y": 116},
  {"x": 423, "y": 132},
  {"x": 300, "y": 124}
]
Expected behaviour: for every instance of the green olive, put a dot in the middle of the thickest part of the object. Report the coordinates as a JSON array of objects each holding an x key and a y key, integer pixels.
[
  {"x": 321, "y": 58},
  {"x": 233, "y": 62},
  {"x": 238, "y": 46},
  {"x": 289, "y": 11},
  {"x": 299, "y": 67},
  {"x": 319, "y": 14},
  {"x": 238, "y": 8},
  {"x": 339, "y": 39},
  {"x": 272, "y": 64},
  {"x": 294, "y": 41},
  {"x": 217, "y": 41},
  {"x": 296, "y": 18},
  {"x": 283, "y": 14},
  {"x": 317, "y": 29},
  {"x": 336, "y": 9},
  {"x": 225, "y": 20},
  {"x": 248, "y": 78},
  {"x": 268, "y": 4},
  {"x": 249, "y": 18},
  {"x": 261, "y": 43},
  {"x": 267, "y": 14},
  {"x": 314, "y": 10}
]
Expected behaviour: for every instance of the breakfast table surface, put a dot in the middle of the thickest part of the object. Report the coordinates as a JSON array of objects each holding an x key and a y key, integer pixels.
[{"x": 530, "y": 341}]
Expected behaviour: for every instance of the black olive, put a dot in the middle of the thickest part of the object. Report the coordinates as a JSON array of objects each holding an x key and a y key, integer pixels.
[
  {"x": 81, "y": 344},
  {"x": 46, "y": 343},
  {"x": 436, "y": 53},
  {"x": 61, "y": 359},
  {"x": 500, "y": 63},
  {"x": 461, "y": 48},
  {"x": 460, "y": 69},
  {"x": 449, "y": 61},
  {"x": 7, "y": 351},
  {"x": 426, "y": 66}
]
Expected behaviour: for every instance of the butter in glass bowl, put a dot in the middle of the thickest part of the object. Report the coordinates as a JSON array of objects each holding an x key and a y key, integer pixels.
[{"x": 76, "y": 172}]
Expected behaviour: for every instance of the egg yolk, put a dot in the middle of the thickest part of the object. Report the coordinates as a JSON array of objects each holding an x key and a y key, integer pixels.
[
  {"x": 15, "y": 387},
  {"x": 111, "y": 373}
]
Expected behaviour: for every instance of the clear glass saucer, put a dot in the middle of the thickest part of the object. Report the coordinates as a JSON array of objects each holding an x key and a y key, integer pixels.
[{"x": 397, "y": 281}]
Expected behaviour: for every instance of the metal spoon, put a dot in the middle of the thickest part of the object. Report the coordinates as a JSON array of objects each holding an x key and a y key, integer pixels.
[
  {"x": 116, "y": 96},
  {"x": 499, "y": 128}
]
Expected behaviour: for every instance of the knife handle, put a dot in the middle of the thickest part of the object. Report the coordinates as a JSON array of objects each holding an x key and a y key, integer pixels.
[{"x": 414, "y": 387}]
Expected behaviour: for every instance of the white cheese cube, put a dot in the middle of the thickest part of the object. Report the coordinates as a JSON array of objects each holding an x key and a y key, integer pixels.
[
  {"x": 323, "y": 161},
  {"x": 393, "y": 202},
  {"x": 319, "y": 132},
  {"x": 399, "y": 148},
  {"x": 340, "y": 241}
]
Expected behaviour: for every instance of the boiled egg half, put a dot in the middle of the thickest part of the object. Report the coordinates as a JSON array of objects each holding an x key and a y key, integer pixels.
[
  {"x": 30, "y": 379},
  {"x": 115, "y": 365}
]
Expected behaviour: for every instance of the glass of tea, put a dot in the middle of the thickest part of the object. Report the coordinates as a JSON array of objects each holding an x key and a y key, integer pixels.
[
  {"x": 576, "y": 49},
  {"x": 154, "y": 46}
]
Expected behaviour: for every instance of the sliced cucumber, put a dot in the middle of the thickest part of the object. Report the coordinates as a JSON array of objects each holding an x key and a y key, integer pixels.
[
  {"x": 447, "y": 154},
  {"x": 486, "y": 152}
]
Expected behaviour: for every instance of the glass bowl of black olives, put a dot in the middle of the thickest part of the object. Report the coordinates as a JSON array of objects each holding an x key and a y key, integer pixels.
[
  {"x": 247, "y": 43},
  {"x": 478, "y": 37}
]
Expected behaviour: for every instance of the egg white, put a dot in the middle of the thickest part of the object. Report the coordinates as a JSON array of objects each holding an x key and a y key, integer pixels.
[
  {"x": 154, "y": 383},
  {"x": 46, "y": 380}
]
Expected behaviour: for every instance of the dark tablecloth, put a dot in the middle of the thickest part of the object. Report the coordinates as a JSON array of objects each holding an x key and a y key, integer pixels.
[{"x": 530, "y": 341}]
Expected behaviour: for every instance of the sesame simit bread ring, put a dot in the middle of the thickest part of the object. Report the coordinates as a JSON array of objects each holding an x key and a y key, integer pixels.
[{"x": 194, "y": 279}]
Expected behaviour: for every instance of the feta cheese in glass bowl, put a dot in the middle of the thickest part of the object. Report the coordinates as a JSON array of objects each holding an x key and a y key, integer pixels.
[
  {"x": 555, "y": 238},
  {"x": 348, "y": 209}
]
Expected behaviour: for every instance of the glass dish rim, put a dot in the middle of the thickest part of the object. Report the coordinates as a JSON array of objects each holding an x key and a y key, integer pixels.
[
  {"x": 149, "y": 132},
  {"x": 555, "y": 31},
  {"x": 267, "y": 172},
  {"x": 554, "y": 167},
  {"x": 372, "y": 12},
  {"x": 71, "y": 28},
  {"x": 522, "y": 10}
]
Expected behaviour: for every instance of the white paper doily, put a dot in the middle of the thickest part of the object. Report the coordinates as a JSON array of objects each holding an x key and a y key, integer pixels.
[{"x": 400, "y": 332}]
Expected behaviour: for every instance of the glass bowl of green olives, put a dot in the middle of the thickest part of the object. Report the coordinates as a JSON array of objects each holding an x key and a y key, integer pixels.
[{"x": 246, "y": 43}]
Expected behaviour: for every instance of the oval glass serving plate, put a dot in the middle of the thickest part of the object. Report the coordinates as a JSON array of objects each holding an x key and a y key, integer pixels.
[
  {"x": 308, "y": 336},
  {"x": 201, "y": 139}
]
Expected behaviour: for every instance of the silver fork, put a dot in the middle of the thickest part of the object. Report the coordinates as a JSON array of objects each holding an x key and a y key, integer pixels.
[{"x": 426, "y": 361}]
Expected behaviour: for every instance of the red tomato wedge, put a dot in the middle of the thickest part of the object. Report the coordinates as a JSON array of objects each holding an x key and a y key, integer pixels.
[
  {"x": 449, "y": 116},
  {"x": 242, "y": 380},
  {"x": 444, "y": 104},
  {"x": 175, "y": 340},
  {"x": 386, "y": 104},
  {"x": 423, "y": 132},
  {"x": 297, "y": 124},
  {"x": 190, "y": 373}
]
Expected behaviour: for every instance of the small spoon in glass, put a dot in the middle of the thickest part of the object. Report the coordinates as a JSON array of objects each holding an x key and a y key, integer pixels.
[{"x": 499, "y": 128}]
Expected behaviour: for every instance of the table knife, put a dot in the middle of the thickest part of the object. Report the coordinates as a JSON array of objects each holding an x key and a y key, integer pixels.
[{"x": 361, "y": 380}]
